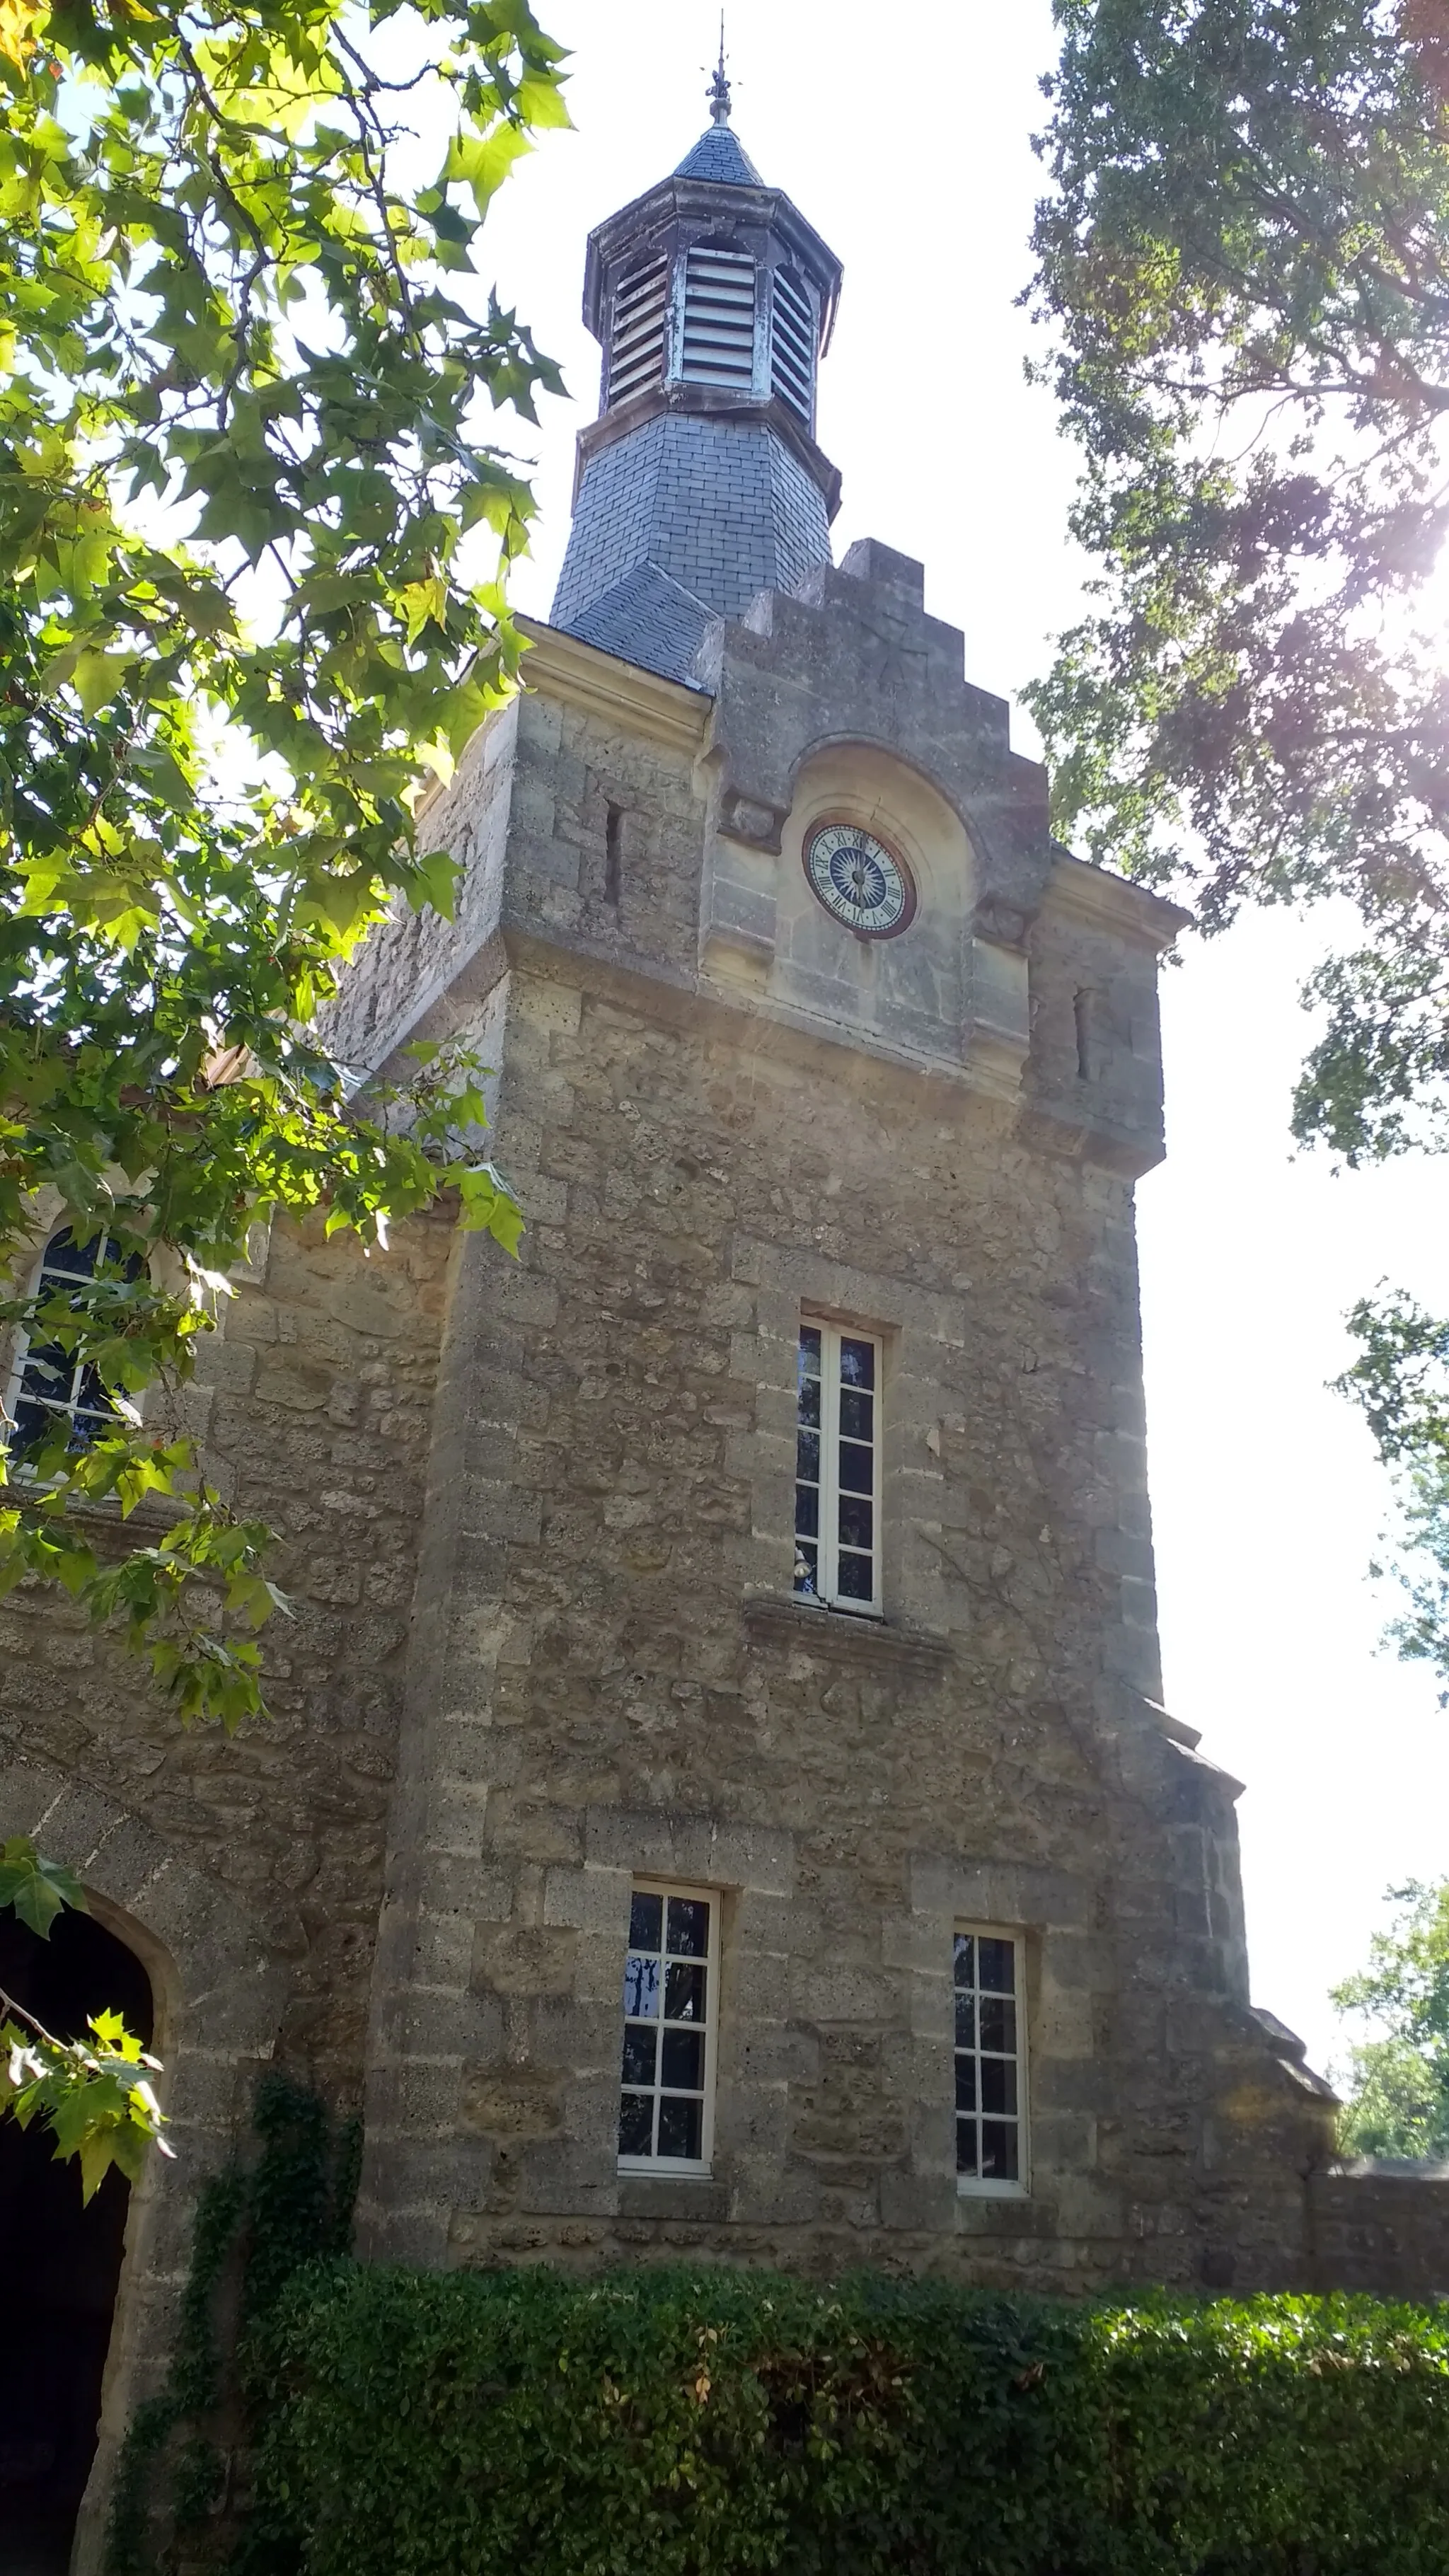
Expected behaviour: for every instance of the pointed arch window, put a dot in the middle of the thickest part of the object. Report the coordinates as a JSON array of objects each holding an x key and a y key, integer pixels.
[
  {"x": 636, "y": 342},
  {"x": 792, "y": 346},
  {"x": 51, "y": 1387},
  {"x": 719, "y": 317}
]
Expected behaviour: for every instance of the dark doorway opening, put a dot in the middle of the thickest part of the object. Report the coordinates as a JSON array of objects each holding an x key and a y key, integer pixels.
[{"x": 59, "y": 2262}]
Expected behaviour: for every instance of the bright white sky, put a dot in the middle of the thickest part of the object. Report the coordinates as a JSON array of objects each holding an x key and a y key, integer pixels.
[{"x": 912, "y": 156}]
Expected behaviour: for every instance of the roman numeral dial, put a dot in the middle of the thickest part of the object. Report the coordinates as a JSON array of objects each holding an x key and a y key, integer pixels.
[{"x": 860, "y": 881}]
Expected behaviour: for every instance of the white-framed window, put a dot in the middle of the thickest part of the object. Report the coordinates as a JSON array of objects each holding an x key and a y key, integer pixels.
[
  {"x": 671, "y": 1982},
  {"x": 837, "y": 1468},
  {"x": 991, "y": 2140},
  {"x": 49, "y": 1382}
]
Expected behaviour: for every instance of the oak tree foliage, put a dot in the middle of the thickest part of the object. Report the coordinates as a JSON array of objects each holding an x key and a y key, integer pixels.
[
  {"x": 1243, "y": 260},
  {"x": 256, "y": 513},
  {"x": 1398, "y": 2101}
]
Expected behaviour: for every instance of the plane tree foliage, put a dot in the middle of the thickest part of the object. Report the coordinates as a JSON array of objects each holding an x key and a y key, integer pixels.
[
  {"x": 255, "y": 520},
  {"x": 1243, "y": 262},
  {"x": 257, "y": 510}
]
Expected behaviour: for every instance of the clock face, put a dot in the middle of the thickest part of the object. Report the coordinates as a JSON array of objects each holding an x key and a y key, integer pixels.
[{"x": 860, "y": 882}]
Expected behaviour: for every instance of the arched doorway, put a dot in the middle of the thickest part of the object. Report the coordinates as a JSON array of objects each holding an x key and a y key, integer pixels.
[{"x": 59, "y": 2262}]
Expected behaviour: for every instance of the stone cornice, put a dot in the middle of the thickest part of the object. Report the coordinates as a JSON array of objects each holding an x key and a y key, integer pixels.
[
  {"x": 620, "y": 693},
  {"x": 1105, "y": 902}
]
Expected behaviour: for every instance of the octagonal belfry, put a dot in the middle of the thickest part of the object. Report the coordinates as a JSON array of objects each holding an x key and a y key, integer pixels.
[{"x": 700, "y": 482}]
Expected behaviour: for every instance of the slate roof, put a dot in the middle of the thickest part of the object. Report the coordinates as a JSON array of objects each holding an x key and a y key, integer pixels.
[{"x": 721, "y": 156}]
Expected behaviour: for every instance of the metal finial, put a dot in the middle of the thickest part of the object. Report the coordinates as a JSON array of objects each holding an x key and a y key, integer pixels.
[{"x": 718, "y": 92}]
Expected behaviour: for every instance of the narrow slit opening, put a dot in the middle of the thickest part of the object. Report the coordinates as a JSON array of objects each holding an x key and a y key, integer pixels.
[
  {"x": 613, "y": 851},
  {"x": 1082, "y": 1008}
]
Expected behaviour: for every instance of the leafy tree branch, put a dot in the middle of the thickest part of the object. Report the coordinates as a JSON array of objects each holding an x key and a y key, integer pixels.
[
  {"x": 1399, "y": 2098},
  {"x": 94, "y": 2095},
  {"x": 1243, "y": 261},
  {"x": 255, "y": 524}
]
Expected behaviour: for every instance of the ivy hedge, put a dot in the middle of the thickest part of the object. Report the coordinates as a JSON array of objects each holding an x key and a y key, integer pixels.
[{"x": 721, "y": 2423}]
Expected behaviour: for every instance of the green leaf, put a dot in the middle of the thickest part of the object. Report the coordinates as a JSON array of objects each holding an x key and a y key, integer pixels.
[
  {"x": 483, "y": 161},
  {"x": 37, "y": 1889},
  {"x": 437, "y": 873},
  {"x": 98, "y": 678}
]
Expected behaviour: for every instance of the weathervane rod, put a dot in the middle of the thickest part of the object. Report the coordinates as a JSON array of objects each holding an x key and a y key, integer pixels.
[{"x": 719, "y": 89}]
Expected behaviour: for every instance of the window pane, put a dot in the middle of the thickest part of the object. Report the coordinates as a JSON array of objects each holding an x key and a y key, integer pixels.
[
  {"x": 965, "y": 1959},
  {"x": 809, "y": 1407},
  {"x": 857, "y": 1522},
  {"x": 857, "y": 1414},
  {"x": 683, "y": 2060},
  {"x": 998, "y": 2151},
  {"x": 807, "y": 1511},
  {"x": 688, "y": 1928},
  {"x": 636, "y": 2124},
  {"x": 965, "y": 2083},
  {"x": 857, "y": 1468},
  {"x": 646, "y": 1920},
  {"x": 684, "y": 1994},
  {"x": 998, "y": 2023},
  {"x": 855, "y": 1583},
  {"x": 48, "y": 1374},
  {"x": 998, "y": 1967},
  {"x": 807, "y": 1572},
  {"x": 857, "y": 1362},
  {"x": 809, "y": 1350},
  {"x": 681, "y": 2127},
  {"x": 641, "y": 1988},
  {"x": 966, "y": 2147},
  {"x": 641, "y": 2047},
  {"x": 998, "y": 2084},
  {"x": 76, "y": 1260},
  {"x": 965, "y": 2021},
  {"x": 807, "y": 1457}
]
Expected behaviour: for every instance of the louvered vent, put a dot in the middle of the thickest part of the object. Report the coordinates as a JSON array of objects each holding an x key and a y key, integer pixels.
[
  {"x": 792, "y": 346},
  {"x": 636, "y": 348},
  {"x": 719, "y": 318}
]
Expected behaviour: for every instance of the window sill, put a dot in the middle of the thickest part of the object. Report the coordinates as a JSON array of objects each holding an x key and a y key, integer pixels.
[
  {"x": 662, "y": 2169},
  {"x": 775, "y": 1618},
  {"x": 693, "y": 2196},
  {"x": 966, "y": 2190},
  {"x": 836, "y": 1610}
]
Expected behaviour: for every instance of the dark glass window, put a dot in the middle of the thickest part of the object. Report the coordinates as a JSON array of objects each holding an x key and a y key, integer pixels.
[
  {"x": 668, "y": 2003},
  {"x": 53, "y": 1386},
  {"x": 989, "y": 2106},
  {"x": 837, "y": 1469}
]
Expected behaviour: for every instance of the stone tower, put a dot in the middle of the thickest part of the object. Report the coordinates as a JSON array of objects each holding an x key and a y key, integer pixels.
[{"x": 791, "y": 1857}]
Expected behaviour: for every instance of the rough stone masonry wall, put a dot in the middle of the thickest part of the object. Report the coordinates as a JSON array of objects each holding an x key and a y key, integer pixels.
[
  {"x": 315, "y": 1403},
  {"x": 246, "y": 1874},
  {"x": 611, "y": 1680}
]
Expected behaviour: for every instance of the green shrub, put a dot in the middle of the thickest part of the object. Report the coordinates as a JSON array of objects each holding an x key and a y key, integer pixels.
[{"x": 717, "y": 2424}]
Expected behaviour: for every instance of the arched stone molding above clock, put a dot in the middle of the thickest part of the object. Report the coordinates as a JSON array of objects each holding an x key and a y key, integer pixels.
[
  {"x": 936, "y": 980},
  {"x": 909, "y": 983},
  {"x": 846, "y": 686}
]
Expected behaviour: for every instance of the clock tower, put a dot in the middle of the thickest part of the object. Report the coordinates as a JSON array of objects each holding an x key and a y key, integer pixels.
[
  {"x": 720, "y": 1804},
  {"x": 791, "y": 1859}
]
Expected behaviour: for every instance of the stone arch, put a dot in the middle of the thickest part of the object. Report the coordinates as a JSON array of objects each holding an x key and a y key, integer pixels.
[
  {"x": 876, "y": 779},
  {"x": 218, "y": 1991}
]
